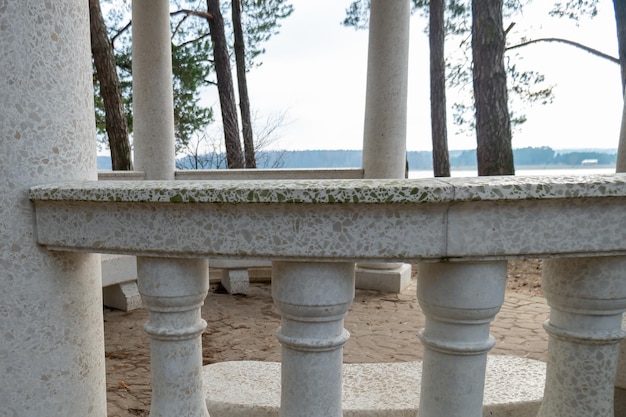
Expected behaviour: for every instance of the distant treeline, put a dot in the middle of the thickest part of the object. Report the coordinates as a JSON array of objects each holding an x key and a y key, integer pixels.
[
  {"x": 422, "y": 160},
  {"x": 418, "y": 160}
]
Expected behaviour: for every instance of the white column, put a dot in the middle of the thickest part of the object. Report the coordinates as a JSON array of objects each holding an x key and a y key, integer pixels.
[
  {"x": 384, "y": 140},
  {"x": 51, "y": 327},
  {"x": 384, "y": 136},
  {"x": 313, "y": 299},
  {"x": 153, "y": 102},
  {"x": 459, "y": 301},
  {"x": 173, "y": 291},
  {"x": 587, "y": 297}
]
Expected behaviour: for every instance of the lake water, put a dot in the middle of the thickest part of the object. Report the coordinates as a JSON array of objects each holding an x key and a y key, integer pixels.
[{"x": 522, "y": 172}]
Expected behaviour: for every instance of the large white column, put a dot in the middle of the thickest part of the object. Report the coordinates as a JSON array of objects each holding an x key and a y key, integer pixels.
[
  {"x": 153, "y": 102},
  {"x": 384, "y": 140},
  {"x": 313, "y": 299},
  {"x": 459, "y": 301},
  {"x": 51, "y": 327},
  {"x": 384, "y": 136},
  {"x": 587, "y": 297},
  {"x": 173, "y": 291}
]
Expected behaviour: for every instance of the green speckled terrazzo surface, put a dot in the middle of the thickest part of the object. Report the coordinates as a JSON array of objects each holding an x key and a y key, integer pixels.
[{"x": 337, "y": 191}]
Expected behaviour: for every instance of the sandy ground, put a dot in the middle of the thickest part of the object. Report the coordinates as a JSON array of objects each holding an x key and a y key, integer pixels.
[{"x": 383, "y": 328}]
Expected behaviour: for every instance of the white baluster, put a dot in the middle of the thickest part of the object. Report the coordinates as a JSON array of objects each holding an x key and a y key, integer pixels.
[
  {"x": 313, "y": 299},
  {"x": 173, "y": 291},
  {"x": 459, "y": 301},
  {"x": 587, "y": 297}
]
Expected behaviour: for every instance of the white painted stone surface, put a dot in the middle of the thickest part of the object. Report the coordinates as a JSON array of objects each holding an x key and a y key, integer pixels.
[
  {"x": 51, "y": 327},
  {"x": 513, "y": 388}
]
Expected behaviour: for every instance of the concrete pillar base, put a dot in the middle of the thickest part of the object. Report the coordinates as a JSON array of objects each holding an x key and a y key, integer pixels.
[
  {"x": 236, "y": 281},
  {"x": 383, "y": 280},
  {"x": 124, "y": 296}
]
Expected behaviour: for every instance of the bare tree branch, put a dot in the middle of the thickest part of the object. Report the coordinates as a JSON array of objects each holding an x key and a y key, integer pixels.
[
  {"x": 187, "y": 12},
  {"x": 206, "y": 35},
  {"x": 122, "y": 30},
  {"x": 585, "y": 48},
  {"x": 178, "y": 25}
]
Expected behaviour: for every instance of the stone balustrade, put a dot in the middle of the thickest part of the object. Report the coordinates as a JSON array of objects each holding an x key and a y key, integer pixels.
[{"x": 460, "y": 231}]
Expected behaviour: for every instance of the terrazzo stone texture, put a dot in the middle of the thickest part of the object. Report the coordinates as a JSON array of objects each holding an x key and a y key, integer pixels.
[
  {"x": 173, "y": 291},
  {"x": 513, "y": 388},
  {"x": 459, "y": 301},
  {"x": 349, "y": 221},
  {"x": 312, "y": 299},
  {"x": 587, "y": 297},
  {"x": 360, "y": 220},
  {"x": 51, "y": 327}
]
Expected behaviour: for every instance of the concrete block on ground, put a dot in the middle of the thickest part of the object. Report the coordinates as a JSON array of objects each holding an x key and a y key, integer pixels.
[
  {"x": 238, "y": 263},
  {"x": 124, "y": 296},
  {"x": 117, "y": 269},
  {"x": 119, "y": 282},
  {"x": 236, "y": 281},
  {"x": 513, "y": 388},
  {"x": 383, "y": 280}
]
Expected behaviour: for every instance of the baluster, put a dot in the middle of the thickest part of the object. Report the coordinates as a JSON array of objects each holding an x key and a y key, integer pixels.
[
  {"x": 459, "y": 301},
  {"x": 587, "y": 297},
  {"x": 173, "y": 291},
  {"x": 313, "y": 299}
]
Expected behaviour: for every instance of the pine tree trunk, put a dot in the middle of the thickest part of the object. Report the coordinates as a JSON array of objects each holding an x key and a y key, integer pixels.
[
  {"x": 234, "y": 154},
  {"x": 441, "y": 159},
  {"x": 242, "y": 84},
  {"x": 106, "y": 73},
  {"x": 493, "y": 124}
]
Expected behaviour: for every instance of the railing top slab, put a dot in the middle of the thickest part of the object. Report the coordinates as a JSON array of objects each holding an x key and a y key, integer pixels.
[
  {"x": 362, "y": 191},
  {"x": 338, "y": 220}
]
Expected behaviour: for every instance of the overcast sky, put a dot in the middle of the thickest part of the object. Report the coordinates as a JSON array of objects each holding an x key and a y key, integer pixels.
[{"x": 315, "y": 70}]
